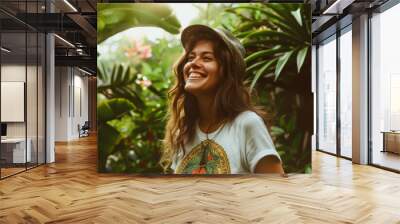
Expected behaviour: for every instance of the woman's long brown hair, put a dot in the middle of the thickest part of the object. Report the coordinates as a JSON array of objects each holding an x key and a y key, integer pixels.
[{"x": 232, "y": 98}]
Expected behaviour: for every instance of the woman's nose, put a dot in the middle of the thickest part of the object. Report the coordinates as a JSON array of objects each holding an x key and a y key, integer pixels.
[{"x": 195, "y": 62}]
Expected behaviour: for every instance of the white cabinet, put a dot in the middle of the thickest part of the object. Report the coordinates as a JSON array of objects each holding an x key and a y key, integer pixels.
[{"x": 17, "y": 146}]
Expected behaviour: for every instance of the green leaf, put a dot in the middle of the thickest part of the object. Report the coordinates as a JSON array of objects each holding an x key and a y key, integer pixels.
[
  {"x": 119, "y": 77},
  {"x": 264, "y": 53},
  {"x": 250, "y": 25},
  {"x": 100, "y": 24},
  {"x": 101, "y": 70},
  {"x": 255, "y": 65},
  {"x": 281, "y": 63},
  {"x": 129, "y": 93},
  {"x": 108, "y": 138},
  {"x": 146, "y": 68},
  {"x": 156, "y": 91},
  {"x": 297, "y": 16},
  {"x": 272, "y": 34},
  {"x": 265, "y": 43},
  {"x": 301, "y": 56},
  {"x": 272, "y": 18},
  {"x": 284, "y": 11},
  {"x": 243, "y": 34},
  {"x": 275, "y": 130},
  {"x": 291, "y": 125},
  {"x": 260, "y": 72},
  {"x": 115, "y": 18},
  {"x": 111, "y": 109},
  {"x": 100, "y": 98},
  {"x": 308, "y": 168}
]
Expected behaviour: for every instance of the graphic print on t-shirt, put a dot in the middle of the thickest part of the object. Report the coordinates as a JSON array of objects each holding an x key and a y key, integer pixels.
[{"x": 208, "y": 157}]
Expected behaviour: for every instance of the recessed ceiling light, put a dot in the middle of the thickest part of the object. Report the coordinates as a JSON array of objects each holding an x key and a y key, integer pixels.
[
  {"x": 70, "y": 5},
  {"x": 5, "y": 49},
  {"x": 84, "y": 71},
  {"x": 337, "y": 7},
  {"x": 64, "y": 40}
]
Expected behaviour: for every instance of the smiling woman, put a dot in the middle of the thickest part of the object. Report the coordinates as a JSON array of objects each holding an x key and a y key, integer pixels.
[
  {"x": 213, "y": 128},
  {"x": 202, "y": 71}
]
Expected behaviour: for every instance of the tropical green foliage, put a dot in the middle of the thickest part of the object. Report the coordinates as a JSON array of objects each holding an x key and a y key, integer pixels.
[
  {"x": 213, "y": 15},
  {"x": 277, "y": 38},
  {"x": 113, "y": 18},
  {"x": 133, "y": 79},
  {"x": 142, "y": 87}
]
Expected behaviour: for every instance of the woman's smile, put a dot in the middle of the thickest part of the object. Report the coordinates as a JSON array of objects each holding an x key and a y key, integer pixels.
[
  {"x": 202, "y": 71},
  {"x": 196, "y": 75}
]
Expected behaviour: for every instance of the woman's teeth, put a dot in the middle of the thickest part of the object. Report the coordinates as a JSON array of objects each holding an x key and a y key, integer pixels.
[{"x": 195, "y": 76}]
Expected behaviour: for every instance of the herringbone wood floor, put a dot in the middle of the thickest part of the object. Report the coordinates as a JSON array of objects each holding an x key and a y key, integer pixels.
[{"x": 71, "y": 191}]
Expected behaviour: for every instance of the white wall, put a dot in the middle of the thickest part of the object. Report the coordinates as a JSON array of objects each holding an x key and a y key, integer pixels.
[
  {"x": 12, "y": 73},
  {"x": 81, "y": 103},
  {"x": 61, "y": 103},
  {"x": 33, "y": 127},
  {"x": 71, "y": 102},
  {"x": 16, "y": 73}
]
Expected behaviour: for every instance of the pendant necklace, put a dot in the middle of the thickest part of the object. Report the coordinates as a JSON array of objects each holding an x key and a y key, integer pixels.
[{"x": 206, "y": 148}]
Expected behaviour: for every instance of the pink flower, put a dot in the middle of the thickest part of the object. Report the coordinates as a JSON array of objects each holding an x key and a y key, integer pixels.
[
  {"x": 130, "y": 52},
  {"x": 145, "y": 52},
  {"x": 140, "y": 50},
  {"x": 144, "y": 82}
]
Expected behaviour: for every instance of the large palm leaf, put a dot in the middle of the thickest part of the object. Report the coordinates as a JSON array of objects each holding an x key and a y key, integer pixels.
[
  {"x": 119, "y": 82},
  {"x": 113, "y": 18},
  {"x": 109, "y": 137},
  {"x": 275, "y": 35}
]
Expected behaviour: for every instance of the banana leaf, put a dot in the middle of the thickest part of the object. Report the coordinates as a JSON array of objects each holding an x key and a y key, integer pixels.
[{"x": 116, "y": 17}]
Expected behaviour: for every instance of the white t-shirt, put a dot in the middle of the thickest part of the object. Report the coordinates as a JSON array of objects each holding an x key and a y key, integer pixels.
[{"x": 234, "y": 148}]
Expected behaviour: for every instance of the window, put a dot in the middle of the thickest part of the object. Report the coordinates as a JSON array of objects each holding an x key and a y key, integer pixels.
[
  {"x": 327, "y": 95},
  {"x": 385, "y": 87},
  {"x": 346, "y": 92},
  {"x": 22, "y": 74}
]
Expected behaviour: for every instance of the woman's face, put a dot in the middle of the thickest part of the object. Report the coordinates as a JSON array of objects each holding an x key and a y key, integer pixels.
[{"x": 202, "y": 71}]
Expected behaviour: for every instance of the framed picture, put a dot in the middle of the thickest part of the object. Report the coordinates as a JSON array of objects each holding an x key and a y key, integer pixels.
[{"x": 204, "y": 88}]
